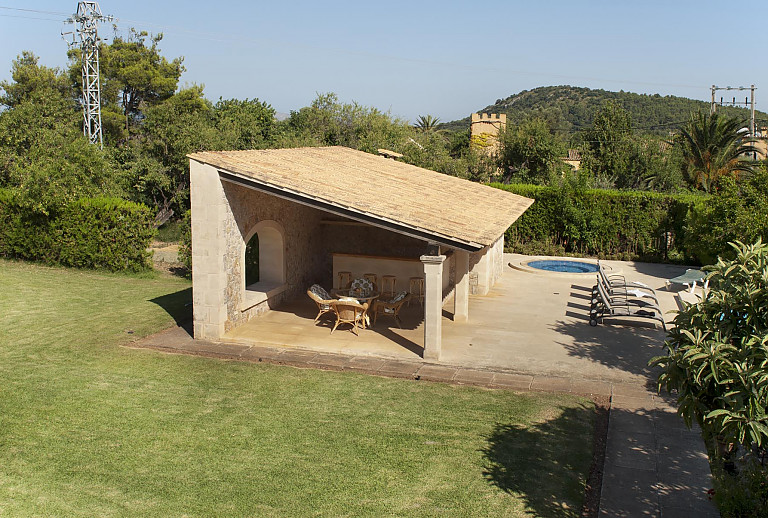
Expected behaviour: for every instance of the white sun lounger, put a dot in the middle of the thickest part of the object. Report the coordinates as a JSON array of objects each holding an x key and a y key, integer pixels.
[{"x": 615, "y": 307}]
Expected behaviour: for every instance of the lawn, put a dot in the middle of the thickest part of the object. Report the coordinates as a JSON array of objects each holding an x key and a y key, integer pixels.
[{"x": 91, "y": 428}]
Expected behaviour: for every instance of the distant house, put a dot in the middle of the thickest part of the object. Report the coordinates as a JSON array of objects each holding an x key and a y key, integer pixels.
[
  {"x": 313, "y": 212},
  {"x": 761, "y": 143},
  {"x": 573, "y": 159}
]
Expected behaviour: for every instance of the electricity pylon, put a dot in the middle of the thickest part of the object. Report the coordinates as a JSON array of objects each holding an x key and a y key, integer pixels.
[{"x": 86, "y": 36}]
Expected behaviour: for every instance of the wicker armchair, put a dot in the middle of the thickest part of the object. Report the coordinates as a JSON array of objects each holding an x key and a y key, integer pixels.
[
  {"x": 391, "y": 307},
  {"x": 349, "y": 311},
  {"x": 318, "y": 294}
]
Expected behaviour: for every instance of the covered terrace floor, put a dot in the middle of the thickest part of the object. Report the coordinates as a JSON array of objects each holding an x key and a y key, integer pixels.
[{"x": 528, "y": 323}]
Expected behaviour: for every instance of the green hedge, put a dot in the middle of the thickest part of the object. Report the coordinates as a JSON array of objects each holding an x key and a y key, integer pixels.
[
  {"x": 107, "y": 233},
  {"x": 602, "y": 223}
]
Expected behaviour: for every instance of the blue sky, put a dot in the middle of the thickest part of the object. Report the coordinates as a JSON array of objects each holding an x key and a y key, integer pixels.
[{"x": 414, "y": 58}]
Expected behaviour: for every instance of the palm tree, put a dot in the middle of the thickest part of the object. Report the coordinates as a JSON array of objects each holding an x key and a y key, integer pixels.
[
  {"x": 427, "y": 123},
  {"x": 714, "y": 146}
]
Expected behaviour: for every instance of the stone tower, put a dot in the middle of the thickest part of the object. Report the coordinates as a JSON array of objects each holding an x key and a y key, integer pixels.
[{"x": 484, "y": 132}]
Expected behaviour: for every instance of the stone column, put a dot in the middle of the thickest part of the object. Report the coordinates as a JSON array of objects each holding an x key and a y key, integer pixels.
[
  {"x": 461, "y": 290},
  {"x": 433, "y": 305},
  {"x": 209, "y": 278}
]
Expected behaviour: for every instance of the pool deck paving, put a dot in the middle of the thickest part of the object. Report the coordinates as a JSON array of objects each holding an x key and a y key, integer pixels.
[{"x": 529, "y": 334}]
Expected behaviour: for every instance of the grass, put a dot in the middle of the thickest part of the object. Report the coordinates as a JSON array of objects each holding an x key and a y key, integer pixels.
[{"x": 91, "y": 428}]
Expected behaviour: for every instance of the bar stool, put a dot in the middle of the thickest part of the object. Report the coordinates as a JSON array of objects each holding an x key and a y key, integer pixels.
[
  {"x": 373, "y": 278},
  {"x": 344, "y": 279},
  {"x": 388, "y": 283},
  {"x": 416, "y": 289}
]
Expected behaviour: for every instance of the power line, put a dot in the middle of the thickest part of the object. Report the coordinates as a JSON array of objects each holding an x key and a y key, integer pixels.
[
  {"x": 33, "y": 10},
  {"x": 29, "y": 17}
]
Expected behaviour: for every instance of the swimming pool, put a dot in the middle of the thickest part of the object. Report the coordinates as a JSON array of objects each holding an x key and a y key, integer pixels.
[{"x": 563, "y": 266}]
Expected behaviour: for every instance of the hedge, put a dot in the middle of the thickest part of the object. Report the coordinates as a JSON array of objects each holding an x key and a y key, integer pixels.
[
  {"x": 106, "y": 233},
  {"x": 602, "y": 223}
]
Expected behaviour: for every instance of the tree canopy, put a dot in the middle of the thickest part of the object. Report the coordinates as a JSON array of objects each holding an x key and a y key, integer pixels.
[{"x": 713, "y": 146}]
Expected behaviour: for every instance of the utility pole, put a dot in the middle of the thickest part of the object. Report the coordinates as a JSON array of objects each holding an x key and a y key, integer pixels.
[
  {"x": 86, "y": 36},
  {"x": 747, "y": 103}
]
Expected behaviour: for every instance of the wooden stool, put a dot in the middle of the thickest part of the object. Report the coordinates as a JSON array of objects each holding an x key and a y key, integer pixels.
[
  {"x": 388, "y": 283},
  {"x": 344, "y": 279},
  {"x": 416, "y": 289},
  {"x": 373, "y": 278}
]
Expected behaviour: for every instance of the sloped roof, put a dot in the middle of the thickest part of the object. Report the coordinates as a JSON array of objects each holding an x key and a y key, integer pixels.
[{"x": 376, "y": 190}]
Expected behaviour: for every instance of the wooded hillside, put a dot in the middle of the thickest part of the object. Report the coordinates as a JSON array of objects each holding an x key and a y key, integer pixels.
[{"x": 570, "y": 109}]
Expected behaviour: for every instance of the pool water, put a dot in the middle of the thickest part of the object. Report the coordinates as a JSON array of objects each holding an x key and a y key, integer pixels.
[{"x": 563, "y": 266}]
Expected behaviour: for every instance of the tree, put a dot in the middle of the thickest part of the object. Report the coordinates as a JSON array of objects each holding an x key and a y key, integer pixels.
[
  {"x": 530, "y": 151},
  {"x": 247, "y": 124},
  {"x": 607, "y": 145},
  {"x": 328, "y": 122},
  {"x": 717, "y": 352},
  {"x": 426, "y": 123},
  {"x": 133, "y": 76},
  {"x": 714, "y": 146},
  {"x": 156, "y": 162},
  {"x": 44, "y": 156},
  {"x": 29, "y": 78}
]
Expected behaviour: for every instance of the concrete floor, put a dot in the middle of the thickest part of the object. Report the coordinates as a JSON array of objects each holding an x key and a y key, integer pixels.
[{"x": 531, "y": 323}]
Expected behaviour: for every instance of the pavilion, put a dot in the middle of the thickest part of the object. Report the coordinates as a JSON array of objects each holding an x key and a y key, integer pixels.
[{"x": 317, "y": 211}]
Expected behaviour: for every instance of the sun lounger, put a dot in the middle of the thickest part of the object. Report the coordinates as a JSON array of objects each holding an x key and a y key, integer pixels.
[
  {"x": 688, "y": 279},
  {"x": 616, "y": 280},
  {"x": 611, "y": 306},
  {"x": 621, "y": 290}
]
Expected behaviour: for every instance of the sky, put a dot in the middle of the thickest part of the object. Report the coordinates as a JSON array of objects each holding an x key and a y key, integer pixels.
[{"x": 443, "y": 58}]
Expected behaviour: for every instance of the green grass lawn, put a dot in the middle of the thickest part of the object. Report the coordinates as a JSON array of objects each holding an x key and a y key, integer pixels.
[{"x": 89, "y": 428}]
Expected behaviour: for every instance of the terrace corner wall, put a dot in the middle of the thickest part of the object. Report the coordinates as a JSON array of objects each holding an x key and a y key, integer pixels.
[
  {"x": 486, "y": 267},
  {"x": 209, "y": 271},
  {"x": 224, "y": 214}
]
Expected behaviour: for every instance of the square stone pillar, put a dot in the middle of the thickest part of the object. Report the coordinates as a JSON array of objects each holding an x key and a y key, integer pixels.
[
  {"x": 433, "y": 305},
  {"x": 461, "y": 290},
  {"x": 209, "y": 277}
]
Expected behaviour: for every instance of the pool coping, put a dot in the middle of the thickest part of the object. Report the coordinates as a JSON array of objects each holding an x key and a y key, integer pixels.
[{"x": 522, "y": 265}]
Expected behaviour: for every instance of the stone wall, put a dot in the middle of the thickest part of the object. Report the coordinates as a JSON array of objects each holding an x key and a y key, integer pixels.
[
  {"x": 365, "y": 240},
  {"x": 486, "y": 267},
  {"x": 303, "y": 251}
]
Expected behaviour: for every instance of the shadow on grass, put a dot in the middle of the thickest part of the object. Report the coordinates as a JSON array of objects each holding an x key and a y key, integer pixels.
[
  {"x": 178, "y": 305},
  {"x": 542, "y": 463}
]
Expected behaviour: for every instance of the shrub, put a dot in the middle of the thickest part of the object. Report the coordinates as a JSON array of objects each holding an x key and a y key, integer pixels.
[
  {"x": 717, "y": 351},
  {"x": 604, "y": 223},
  {"x": 717, "y": 354},
  {"x": 185, "y": 242},
  {"x": 107, "y": 233},
  {"x": 104, "y": 233},
  {"x": 737, "y": 211}
]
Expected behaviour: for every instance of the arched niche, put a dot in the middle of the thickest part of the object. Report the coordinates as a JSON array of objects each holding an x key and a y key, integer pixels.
[{"x": 267, "y": 247}]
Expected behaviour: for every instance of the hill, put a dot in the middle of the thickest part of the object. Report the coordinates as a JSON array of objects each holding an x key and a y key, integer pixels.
[{"x": 570, "y": 109}]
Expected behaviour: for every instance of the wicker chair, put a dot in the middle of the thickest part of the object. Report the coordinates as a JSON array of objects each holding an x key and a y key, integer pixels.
[
  {"x": 318, "y": 294},
  {"x": 349, "y": 311},
  {"x": 362, "y": 286},
  {"x": 391, "y": 307}
]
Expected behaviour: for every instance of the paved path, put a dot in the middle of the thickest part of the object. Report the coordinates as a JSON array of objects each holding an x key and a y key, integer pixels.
[{"x": 654, "y": 466}]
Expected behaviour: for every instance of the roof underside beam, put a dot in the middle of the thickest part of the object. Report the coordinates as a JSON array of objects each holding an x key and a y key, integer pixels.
[{"x": 369, "y": 219}]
